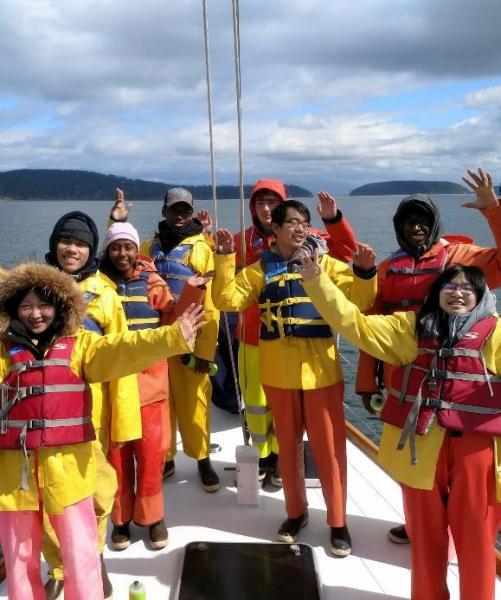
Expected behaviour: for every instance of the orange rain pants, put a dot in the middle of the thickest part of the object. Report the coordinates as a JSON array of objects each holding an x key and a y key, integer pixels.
[
  {"x": 145, "y": 505},
  {"x": 320, "y": 412},
  {"x": 464, "y": 499}
]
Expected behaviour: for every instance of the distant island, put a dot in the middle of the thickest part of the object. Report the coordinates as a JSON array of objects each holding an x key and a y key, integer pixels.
[
  {"x": 62, "y": 184},
  {"x": 404, "y": 188}
]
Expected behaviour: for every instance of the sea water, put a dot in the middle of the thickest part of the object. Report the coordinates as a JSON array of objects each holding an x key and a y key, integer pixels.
[{"x": 25, "y": 227}]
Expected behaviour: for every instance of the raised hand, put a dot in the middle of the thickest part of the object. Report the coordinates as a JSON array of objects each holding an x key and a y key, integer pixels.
[
  {"x": 199, "y": 281},
  {"x": 120, "y": 210},
  {"x": 190, "y": 321},
  {"x": 326, "y": 207},
  {"x": 309, "y": 267},
  {"x": 224, "y": 242},
  {"x": 364, "y": 257},
  {"x": 205, "y": 219},
  {"x": 481, "y": 184}
]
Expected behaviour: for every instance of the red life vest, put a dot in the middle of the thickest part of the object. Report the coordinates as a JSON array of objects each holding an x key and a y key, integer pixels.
[
  {"x": 409, "y": 280},
  {"x": 43, "y": 402},
  {"x": 452, "y": 385}
]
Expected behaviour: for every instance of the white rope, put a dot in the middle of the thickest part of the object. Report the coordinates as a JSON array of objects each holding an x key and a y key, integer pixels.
[
  {"x": 238, "y": 86},
  {"x": 209, "y": 110},
  {"x": 214, "y": 195}
]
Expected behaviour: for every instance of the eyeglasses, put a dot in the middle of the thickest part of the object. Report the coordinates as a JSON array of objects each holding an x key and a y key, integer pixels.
[
  {"x": 417, "y": 222},
  {"x": 296, "y": 223},
  {"x": 465, "y": 288}
]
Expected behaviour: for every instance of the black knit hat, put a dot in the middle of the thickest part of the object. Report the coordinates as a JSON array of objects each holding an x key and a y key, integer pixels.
[{"x": 78, "y": 229}]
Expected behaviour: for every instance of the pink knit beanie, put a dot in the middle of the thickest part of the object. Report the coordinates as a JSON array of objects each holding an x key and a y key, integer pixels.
[{"x": 121, "y": 231}]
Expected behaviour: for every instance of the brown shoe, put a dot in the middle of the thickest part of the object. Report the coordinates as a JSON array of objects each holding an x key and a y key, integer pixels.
[
  {"x": 169, "y": 469},
  {"x": 54, "y": 589},
  {"x": 159, "y": 536},
  {"x": 107, "y": 587},
  {"x": 209, "y": 477},
  {"x": 120, "y": 537}
]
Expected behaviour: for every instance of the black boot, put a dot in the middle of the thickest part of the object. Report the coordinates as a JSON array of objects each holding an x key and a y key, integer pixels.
[
  {"x": 290, "y": 528},
  {"x": 54, "y": 589},
  {"x": 209, "y": 478},
  {"x": 340, "y": 541},
  {"x": 398, "y": 535},
  {"x": 159, "y": 536},
  {"x": 120, "y": 536}
]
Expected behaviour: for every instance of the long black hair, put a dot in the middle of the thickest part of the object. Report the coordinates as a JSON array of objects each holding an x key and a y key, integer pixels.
[{"x": 431, "y": 308}]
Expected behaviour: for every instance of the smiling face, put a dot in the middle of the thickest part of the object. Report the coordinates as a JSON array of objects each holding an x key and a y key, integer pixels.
[
  {"x": 457, "y": 296},
  {"x": 416, "y": 228},
  {"x": 292, "y": 233},
  {"x": 35, "y": 314},
  {"x": 72, "y": 254},
  {"x": 123, "y": 255}
]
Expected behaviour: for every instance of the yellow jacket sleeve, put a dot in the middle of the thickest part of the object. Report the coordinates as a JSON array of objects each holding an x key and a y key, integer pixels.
[
  {"x": 362, "y": 292},
  {"x": 235, "y": 292},
  {"x": 109, "y": 357},
  {"x": 388, "y": 337},
  {"x": 123, "y": 392},
  {"x": 200, "y": 260}
]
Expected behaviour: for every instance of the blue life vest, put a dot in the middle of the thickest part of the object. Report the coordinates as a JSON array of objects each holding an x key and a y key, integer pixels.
[
  {"x": 285, "y": 308},
  {"x": 89, "y": 322},
  {"x": 134, "y": 296},
  {"x": 171, "y": 266}
]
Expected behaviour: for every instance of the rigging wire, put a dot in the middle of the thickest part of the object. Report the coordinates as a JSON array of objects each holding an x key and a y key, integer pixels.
[{"x": 238, "y": 393}]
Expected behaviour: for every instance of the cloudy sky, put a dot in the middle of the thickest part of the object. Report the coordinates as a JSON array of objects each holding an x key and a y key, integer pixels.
[{"x": 334, "y": 94}]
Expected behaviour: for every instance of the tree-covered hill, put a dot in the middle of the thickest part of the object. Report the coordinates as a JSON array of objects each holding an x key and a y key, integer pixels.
[
  {"x": 386, "y": 188},
  {"x": 58, "y": 184}
]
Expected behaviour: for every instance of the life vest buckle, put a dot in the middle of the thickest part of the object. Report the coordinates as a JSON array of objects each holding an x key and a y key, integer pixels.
[
  {"x": 433, "y": 403},
  {"x": 446, "y": 352},
  {"x": 34, "y": 390},
  {"x": 35, "y": 424}
]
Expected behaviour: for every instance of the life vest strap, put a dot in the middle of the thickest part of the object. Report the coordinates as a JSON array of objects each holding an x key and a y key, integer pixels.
[
  {"x": 40, "y": 364},
  {"x": 389, "y": 306},
  {"x": 35, "y": 390},
  {"x": 34, "y": 424},
  {"x": 412, "y": 270},
  {"x": 144, "y": 321}
]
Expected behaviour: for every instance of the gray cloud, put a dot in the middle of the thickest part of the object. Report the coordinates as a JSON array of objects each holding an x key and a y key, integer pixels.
[{"x": 121, "y": 88}]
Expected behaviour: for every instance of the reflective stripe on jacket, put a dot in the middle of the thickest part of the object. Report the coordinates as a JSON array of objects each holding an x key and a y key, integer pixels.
[
  {"x": 134, "y": 296},
  {"x": 286, "y": 309},
  {"x": 43, "y": 402}
]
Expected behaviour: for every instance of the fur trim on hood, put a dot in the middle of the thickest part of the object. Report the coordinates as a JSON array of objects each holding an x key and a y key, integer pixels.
[{"x": 31, "y": 275}]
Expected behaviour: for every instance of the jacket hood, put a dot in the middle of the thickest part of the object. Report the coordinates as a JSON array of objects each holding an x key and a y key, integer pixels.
[
  {"x": 272, "y": 185},
  {"x": 420, "y": 203},
  {"x": 91, "y": 265},
  {"x": 30, "y": 275}
]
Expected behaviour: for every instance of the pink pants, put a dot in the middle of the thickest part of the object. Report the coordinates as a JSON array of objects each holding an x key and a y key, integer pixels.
[{"x": 21, "y": 534}]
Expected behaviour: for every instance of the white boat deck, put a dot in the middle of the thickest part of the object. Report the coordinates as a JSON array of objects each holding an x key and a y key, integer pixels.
[{"x": 376, "y": 569}]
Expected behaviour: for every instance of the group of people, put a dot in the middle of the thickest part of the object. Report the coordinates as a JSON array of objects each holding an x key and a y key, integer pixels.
[{"x": 103, "y": 358}]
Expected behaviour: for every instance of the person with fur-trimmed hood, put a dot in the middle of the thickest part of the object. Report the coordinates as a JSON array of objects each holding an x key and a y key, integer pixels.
[{"x": 47, "y": 461}]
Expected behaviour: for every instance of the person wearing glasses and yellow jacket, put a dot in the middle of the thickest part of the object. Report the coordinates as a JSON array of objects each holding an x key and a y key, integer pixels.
[
  {"x": 300, "y": 369},
  {"x": 115, "y": 405}
]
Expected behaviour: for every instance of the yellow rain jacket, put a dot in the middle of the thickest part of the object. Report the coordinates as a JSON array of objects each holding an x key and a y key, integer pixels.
[
  {"x": 200, "y": 260},
  {"x": 392, "y": 338},
  {"x": 120, "y": 397},
  {"x": 66, "y": 474},
  {"x": 290, "y": 362}
]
